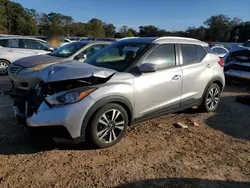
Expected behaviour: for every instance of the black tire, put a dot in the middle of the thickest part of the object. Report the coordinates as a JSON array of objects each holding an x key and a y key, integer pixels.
[
  {"x": 92, "y": 129},
  {"x": 4, "y": 63},
  {"x": 208, "y": 106}
]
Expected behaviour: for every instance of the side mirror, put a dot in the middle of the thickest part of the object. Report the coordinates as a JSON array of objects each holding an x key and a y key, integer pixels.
[
  {"x": 81, "y": 56},
  {"x": 147, "y": 67}
]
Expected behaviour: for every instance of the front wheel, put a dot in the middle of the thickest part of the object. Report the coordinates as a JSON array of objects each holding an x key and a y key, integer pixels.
[
  {"x": 212, "y": 98},
  {"x": 108, "y": 125}
]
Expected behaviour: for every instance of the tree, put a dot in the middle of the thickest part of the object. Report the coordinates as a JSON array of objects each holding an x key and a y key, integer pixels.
[
  {"x": 3, "y": 17},
  {"x": 198, "y": 33},
  {"x": 218, "y": 27},
  {"x": 109, "y": 30},
  {"x": 125, "y": 32},
  {"x": 148, "y": 31},
  {"x": 134, "y": 32},
  {"x": 94, "y": 28}
]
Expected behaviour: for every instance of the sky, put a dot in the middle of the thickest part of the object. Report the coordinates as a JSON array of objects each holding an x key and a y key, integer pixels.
[{"x": 165, "y": 14}]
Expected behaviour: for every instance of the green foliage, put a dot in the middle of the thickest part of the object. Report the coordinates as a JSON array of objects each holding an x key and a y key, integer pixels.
[
  {"x": 14, "y": 19},
  {"x": 109, "y": 30}
]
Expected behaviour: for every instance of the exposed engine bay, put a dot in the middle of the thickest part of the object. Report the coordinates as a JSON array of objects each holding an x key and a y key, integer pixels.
[{"x": 29, "y": 102}]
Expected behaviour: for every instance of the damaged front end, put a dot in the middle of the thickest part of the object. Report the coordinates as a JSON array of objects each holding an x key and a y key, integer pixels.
[
  {"x": 61, "y": 84},
  {"x": 237, "y": 64},
  {"x": 53, "y": 93}
]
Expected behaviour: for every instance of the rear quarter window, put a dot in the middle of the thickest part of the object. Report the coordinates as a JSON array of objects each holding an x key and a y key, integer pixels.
[
  {"x": 201, "y": 52},
  {"x": 192, "y": 53}
]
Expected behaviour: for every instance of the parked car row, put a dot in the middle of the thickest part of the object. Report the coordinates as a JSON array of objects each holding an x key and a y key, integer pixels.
[
  {"x": 23, "y": 72},
  {"x": 126, "y": 82},
  {"x": 13, "y": 48}
]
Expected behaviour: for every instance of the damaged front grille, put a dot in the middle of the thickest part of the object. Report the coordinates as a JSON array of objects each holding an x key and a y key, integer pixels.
[{"x": 29, "y": 102}]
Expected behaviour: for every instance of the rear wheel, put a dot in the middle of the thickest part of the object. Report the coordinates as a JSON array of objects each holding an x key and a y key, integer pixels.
[
  {"x": 212, "y": 98},
  {"x": 108, "y": 125},
  {"x": 4, "y": 65}
]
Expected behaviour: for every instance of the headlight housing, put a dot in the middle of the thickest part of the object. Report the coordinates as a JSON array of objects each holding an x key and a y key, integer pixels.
[
  {"x": 69, "y": 97},
  {"x": 33, "y": 69}
]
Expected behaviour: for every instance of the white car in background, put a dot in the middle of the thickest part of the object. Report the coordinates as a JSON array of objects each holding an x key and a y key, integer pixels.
[
  {"x": 65, "y": 41},
  {"x": 220, "y": 50},
  {"x": 13, "y": 48}
]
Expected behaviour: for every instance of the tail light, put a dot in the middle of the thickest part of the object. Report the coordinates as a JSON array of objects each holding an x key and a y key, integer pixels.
[{"x": 221, "y": 62}]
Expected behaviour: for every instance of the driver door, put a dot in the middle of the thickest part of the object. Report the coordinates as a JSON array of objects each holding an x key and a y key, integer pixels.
[{"x": 160, "y": 91}]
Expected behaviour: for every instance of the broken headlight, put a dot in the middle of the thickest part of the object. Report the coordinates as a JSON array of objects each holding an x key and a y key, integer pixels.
[{"x": 69, "y": 97}]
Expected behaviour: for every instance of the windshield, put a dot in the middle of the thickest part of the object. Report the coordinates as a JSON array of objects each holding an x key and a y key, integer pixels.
[
  {"x": 68, "y": 50},
  {"x": 247, "y": 44},
  {"x": 117, "y": 56}
]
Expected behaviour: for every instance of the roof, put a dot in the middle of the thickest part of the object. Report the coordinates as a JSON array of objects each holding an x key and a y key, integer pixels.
[
  {"x": 93, "y": 42},
  {"x": 20, "y": 37},
  {"x": 160, "y": 40}
]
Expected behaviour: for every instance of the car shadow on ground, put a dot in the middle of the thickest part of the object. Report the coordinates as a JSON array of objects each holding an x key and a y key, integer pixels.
[
  {"x": 185, "y": 183},
  {"x": 17, "y": 139},
  {"x": 231, "y": 117}
]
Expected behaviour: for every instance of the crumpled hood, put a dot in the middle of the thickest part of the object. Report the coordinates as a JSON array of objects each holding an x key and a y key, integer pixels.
[
  {"x": 37, "y": 60},
  {"x": 70, "y": 70}
]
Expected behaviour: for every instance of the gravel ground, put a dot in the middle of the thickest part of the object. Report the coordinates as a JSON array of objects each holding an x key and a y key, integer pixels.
[{"x": 152, "y": 154}]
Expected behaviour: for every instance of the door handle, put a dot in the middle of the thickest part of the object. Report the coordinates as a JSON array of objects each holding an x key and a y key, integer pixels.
[
  {"x": 208, "y": 66},
  {"x": 176, "y": 77}
]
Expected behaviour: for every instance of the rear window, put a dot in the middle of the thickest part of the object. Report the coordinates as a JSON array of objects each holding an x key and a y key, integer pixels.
[{"x": 219, "y": 50}]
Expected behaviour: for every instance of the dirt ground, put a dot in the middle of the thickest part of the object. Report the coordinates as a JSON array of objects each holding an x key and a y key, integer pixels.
[{"x": 152, "y": 154}]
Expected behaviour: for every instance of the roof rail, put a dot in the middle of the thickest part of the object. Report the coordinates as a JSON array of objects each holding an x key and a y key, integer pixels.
[
  {"x": 129, "y": 38},
  {"x": 162, "y": 38}
]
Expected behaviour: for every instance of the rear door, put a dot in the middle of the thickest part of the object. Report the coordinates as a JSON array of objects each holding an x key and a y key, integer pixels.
[
  {"x": 197, "y": 70},
  {"x": 160, "y": 91}
]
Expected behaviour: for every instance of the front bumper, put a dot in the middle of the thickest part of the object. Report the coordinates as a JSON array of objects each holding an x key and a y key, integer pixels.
[
  {"x": 70, "y": 117},
  {"x": 24, "y": 81}
]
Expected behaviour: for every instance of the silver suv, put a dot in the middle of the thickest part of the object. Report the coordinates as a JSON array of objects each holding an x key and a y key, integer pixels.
[{"x": 132, "y": 80}]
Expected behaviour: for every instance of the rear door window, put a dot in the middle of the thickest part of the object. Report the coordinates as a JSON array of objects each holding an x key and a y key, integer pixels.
[{"x": 18, "y": 43}]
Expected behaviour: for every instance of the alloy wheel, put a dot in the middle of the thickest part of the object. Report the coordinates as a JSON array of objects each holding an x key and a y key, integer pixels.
[
  {"x": 3, "y": 68},
  {"x": 110, "y": 126},
  {"x": 213, "y": 98}
]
